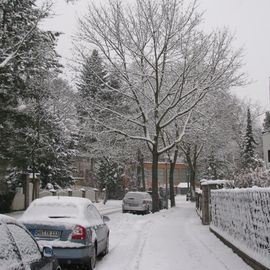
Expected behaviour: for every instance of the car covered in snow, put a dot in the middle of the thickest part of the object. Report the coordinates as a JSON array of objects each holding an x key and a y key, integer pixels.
[
  {"x": 72, "y": 226},
  {"x": 20, "y": 251},
  {"x": 137, "y": 202}
]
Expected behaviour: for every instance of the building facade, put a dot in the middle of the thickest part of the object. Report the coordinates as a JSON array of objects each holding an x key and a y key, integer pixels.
[
  {"x": 180, "y": 174},
  {"x": 266, "y": 147}
]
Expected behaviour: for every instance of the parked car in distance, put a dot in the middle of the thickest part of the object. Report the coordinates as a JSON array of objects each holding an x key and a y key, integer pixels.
[
  {"x": 137, "y": 202},
  {"x": 20, "y": 251},
  {"x": 72, "y": 226}
]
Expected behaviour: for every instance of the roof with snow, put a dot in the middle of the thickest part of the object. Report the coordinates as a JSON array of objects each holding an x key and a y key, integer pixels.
[
  {"x": 183, "y": 185},
  {"x": 205, "y": 182}
]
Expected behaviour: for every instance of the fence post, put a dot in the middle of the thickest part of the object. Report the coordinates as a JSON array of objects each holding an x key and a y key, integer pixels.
[
  {"x": 69, "y": 192},
  {"x": 83, "y": 192}
]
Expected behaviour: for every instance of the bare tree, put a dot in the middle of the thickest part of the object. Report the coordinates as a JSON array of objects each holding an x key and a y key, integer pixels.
[{"x": 167, "y": 65}]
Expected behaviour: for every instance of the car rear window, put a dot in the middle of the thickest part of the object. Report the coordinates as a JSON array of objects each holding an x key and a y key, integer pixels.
[
  {"x": 137, "y": 195},
  {"x": 52, "y": 210},
  {"x": 9, "y": 257}
]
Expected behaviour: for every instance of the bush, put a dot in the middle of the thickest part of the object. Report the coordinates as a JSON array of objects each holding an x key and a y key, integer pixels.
[{"x": 6, "y": 201}]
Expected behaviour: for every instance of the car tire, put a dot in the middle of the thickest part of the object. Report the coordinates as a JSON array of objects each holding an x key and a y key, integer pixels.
[
  {"x": 106, "y": 250},
  {"x": 93, "y": 259}
]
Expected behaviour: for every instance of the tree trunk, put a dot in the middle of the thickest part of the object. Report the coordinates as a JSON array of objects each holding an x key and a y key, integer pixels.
[
  {"x": 92, "y": 166},
  {"x": 192, "y": 182},
  {"x": 192, "y": 164},
  {"x": 25, "y": 181},
  {"x": 172, "y": 167},
  {"x": 139, "y": 170},
  {"x": 143, "y": 175},
  {"x": 34, "y": 181},
  {"x": 193, "y": 173},
  {"x": 155, "y": 196}
]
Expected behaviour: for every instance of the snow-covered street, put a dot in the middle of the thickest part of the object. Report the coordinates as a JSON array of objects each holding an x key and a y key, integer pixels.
[{"x": 169, "y": 240}]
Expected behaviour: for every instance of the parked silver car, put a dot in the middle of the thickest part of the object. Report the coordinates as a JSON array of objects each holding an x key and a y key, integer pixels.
[
  {"x": 137, "y": 202},
  {"x": 72, "y": 226}
]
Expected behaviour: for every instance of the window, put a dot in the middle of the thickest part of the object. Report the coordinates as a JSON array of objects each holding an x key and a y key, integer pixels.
[
  {"x": 93, "y": 215},
  {"x": 9, "y": 256},
  {"x": 27, "y": 246}
]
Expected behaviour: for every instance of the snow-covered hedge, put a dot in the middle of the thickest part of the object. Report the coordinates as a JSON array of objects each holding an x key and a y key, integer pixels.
[
  {"x": 259, "y": 177},
  {"x": 242, "y": 217}
]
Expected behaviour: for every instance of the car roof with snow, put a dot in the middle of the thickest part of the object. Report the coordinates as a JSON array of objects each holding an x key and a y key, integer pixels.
[
  {"x": 62, "y": 200},
  {"x": 63, "y": 207}
]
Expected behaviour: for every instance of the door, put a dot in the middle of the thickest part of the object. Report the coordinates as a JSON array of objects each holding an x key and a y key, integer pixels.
[{"x": 99, "y": 226}]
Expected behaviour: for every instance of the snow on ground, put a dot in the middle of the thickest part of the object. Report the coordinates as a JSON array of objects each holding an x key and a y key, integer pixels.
[{"x": 169, "y": 240}]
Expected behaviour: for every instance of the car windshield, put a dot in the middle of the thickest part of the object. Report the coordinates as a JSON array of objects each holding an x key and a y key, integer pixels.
[{"x": 52, "y": 210}]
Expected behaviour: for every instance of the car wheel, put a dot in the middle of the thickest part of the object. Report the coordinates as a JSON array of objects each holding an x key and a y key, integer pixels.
[
  {"x": 93, "y": 259},
  {"x": 106, "y": 250}
]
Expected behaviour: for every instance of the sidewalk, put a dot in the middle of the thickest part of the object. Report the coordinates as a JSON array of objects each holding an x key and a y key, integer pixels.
[{"x": 172, "y": 239}]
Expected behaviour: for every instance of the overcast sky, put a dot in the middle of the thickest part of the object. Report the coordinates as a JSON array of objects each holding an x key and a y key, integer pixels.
[{"x": 249, "y": 20}]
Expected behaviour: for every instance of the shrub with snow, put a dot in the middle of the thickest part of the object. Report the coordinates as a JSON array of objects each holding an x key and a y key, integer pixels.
[{"x": 259, "y": 177}]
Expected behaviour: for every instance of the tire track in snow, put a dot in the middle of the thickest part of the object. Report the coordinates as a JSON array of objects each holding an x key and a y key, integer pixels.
[
  {"x": 141, "y": 241},
  {"x": 127, "y": 243}
]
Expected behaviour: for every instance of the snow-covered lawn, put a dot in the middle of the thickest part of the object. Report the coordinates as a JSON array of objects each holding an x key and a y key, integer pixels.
[{"x": 169, "y": 240}]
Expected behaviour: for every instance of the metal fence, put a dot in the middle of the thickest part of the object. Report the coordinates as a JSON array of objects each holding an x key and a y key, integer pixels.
[{"x": 242, "y": 217}]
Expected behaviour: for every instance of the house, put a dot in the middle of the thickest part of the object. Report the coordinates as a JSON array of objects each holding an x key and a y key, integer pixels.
[
  {"x": 180, "y": 174},
  {"x": 266, "y": 147},
  {"x": 83, "y": 171}
]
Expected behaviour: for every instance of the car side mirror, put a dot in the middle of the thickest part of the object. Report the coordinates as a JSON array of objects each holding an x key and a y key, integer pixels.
[
  {"x": 47, "y": 252},
  {"x": 105, "y": 218}
]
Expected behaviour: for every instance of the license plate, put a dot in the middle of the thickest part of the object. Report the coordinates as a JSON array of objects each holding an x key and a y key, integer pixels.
[
  {"x": 133, "y": 204},
  {"x": 47, "y": 233}
]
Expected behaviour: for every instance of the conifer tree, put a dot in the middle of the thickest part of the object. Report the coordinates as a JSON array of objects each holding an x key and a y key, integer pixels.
[
  {"x": 99, "y": 86},
  {"x": 109, "y": 177},
  {"x": 248, "y": 154},
  {"x": 27, "y": 130},
  {"x": 92, "y": 81}
]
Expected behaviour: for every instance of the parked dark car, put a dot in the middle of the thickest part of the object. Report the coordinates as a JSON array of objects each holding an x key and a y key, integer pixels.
[
  {"x": 20, "y": 251},
  {"x": 73, "y": 226}
]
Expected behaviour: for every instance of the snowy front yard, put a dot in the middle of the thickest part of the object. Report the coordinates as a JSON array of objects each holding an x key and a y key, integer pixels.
[{"x": 169, "y": 240}]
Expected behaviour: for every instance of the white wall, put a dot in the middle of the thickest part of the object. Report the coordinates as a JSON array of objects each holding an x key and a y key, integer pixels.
[{"x": 266, "y": 146}]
